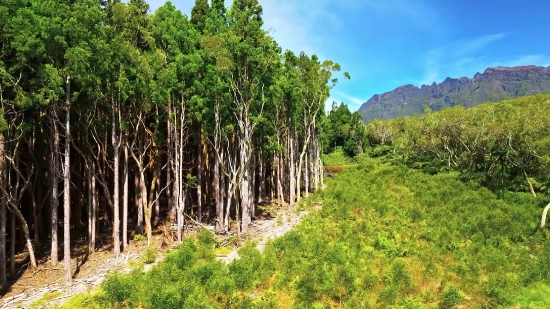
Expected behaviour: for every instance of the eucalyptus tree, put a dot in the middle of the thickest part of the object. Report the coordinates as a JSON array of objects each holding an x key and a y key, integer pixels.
[{"x": 253, "y": 54}]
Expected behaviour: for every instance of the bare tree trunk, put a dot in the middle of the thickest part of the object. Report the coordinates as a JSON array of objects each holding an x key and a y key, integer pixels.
[
  {"x": 245, "y": 183},
  {"x": 530, "y": 184},
  {"x": 116, "y": 179},
  {"x": 199, "y": 180},
  {"x": 306, "y": 175},
  {"x": 55, "y": 193},
  {"x": 67, "y": 189},
  {"x": 138, "y": 203},
  {"x": 12, "y": 245},
  {"x": 3, "y": 217},
  {"x": 292, "y": 177},
  {"x": 125, "y": 193},
  {"x": 91, "y": 206},
  {"x": 544, "y": 213},
  {"x": 316, "y": 164},
  {"x": 218, "y": 189},
  {"x": 26, "y": 233}
]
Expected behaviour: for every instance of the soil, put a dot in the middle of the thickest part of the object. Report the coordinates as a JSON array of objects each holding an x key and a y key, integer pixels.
[{"x": 43, "y": 287}]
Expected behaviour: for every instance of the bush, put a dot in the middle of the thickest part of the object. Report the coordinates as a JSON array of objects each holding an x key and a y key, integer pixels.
[
  {"x": 450, "y": 298},
  {"x": 149, "y": 256}
]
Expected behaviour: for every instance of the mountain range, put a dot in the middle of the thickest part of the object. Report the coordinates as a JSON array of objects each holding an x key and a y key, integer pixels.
[{"x": 495, "y": 84}]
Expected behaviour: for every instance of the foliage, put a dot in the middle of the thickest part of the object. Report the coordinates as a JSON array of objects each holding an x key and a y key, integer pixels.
[
  {"x": 386, "y": 237},
  {"x": 149, "y": 256},
  {"x": 343, "y": 130},
  {"x": 503, "y": 146}
]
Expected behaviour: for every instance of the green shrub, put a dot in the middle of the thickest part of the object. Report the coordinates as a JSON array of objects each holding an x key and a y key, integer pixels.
[
  {"x": 149, "y": 256},
  {"x": 450, "y": 298}
]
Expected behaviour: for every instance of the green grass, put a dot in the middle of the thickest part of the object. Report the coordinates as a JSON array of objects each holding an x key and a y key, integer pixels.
[
  {"x": 39, "y": 303},
  {"x": 386, "y": 237}
]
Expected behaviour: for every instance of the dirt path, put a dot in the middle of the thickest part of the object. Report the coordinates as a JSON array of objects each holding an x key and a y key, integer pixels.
[
  {"x": 44, "y": 288},
  {"x": 272, "y": 228}
]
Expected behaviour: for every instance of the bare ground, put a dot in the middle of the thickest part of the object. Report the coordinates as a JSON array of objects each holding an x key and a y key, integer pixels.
[{"x": 43, "y": 286}]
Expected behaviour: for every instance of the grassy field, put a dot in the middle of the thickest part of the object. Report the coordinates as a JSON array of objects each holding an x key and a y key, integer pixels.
[{"x": 386, "y": 237}]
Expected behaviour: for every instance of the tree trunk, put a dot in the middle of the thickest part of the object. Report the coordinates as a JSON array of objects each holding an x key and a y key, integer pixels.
[
  {"x": 530, "y": 184},
  {"x": 245, "y": 190},
  {"x": 26, "y": 233},
  {"x": 199, "y": 180},
  {"x": 3, "y": 219},
  {"x": 55, "y": 194},
  {"x": 292, "y": 177},
  {"x": 125, "y": 193},
  {"x": 543, "y": 219},
  {"x": 116, "y": 180},
  {"x": 12, "y": 245},
  {"x": 306, "y": 175},
  {"x": 139, "y": 204},
  {"x": 218, "y": 189},
  {"x": 67, "y": 189},
  {"x": 91, "y": 207}
]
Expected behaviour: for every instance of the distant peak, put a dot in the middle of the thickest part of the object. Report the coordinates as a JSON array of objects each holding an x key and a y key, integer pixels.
[{"x": 516, "y": 68}]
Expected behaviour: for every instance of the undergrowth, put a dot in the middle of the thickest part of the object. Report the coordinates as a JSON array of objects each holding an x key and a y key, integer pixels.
[{"x": 386, "y": 237}]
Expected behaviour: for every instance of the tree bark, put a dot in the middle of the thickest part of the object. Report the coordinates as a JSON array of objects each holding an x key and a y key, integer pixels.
[
  {"x": 125, "y": 194},
  {"x": 218, "y": 189},
  {"x": 543, "y": 219},
  {"x": 67, "y": 188},
  {"x": 91, "y": 207},
  {"x": 292, "y": 177},
  {"x": 116, "y": 179},
  {"x": 199, "y": 180},
  {"x": 3, "y": 219},
  {"x": 12, "y": 245},
  {"x": 530, "y": 184},
  {"x": 55, "y": 193}
]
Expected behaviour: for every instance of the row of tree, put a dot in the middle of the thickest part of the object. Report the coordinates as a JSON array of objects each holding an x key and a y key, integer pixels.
[
  {"x": 503, "y": 145},
  {"x": 343, "y": 129},
  {"x": 119, "y": 119}
]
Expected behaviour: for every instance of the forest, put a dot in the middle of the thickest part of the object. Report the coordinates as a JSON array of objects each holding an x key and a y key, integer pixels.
[
  {"x": 440, "y": 211},
  {"x": 116, "y": 120}
]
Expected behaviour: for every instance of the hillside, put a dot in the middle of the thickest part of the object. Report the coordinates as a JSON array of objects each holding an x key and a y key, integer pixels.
[{"x": 494, "y": 84}]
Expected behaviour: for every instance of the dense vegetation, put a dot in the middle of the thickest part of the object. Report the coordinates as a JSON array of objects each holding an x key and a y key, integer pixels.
[
  {"x": 502, "y": 146},
  {"x": 387, "y": 237},
  {"x": 123, "y": 119}
]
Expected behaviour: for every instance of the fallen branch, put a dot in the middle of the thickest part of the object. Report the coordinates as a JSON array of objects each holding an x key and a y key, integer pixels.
[{"x": 199, "y": 224}]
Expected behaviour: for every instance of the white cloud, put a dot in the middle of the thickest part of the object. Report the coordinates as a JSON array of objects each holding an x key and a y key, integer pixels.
[
  {"x": 337, "y": 96},
  {"x": 457, "y": 58}
]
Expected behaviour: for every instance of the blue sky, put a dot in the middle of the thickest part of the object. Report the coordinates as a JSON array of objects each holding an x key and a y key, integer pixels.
[{"x": 384, "y": 44}]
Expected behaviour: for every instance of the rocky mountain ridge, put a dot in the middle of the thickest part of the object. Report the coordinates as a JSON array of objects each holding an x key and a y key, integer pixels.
[{"x": 494, "y": 84}]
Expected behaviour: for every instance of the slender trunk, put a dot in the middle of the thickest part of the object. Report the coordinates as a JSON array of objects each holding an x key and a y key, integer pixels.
[
  {"x": 138, "y": 203},
  {"x": 144, "y": 208},
  {"x": 292, "y": 177},
  {"x": 245, "y": 190},
  {"x": 217, "y": 189},
  {"x": 67, "y": 189},
  {"x": 306, "y": 175},
  {"x": 12, "y": 245},
  {"x": 26, "y": 233},
  {"x": 116, "y": 179},
  {"x": 156, "y": 210},
  {"x": 199, "y": 180},
  {"x": 3, "y": 219},
  {"x": 229, "y": 198},
  {"x": 530, "y": 184},
  {"x": 125, "y": 193},
  {"x": 316, "y": 159},
  {"x": 543, "y": 219},
  {"x": 91, "y": 200},
  {"x": 55, "y": 194}
]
